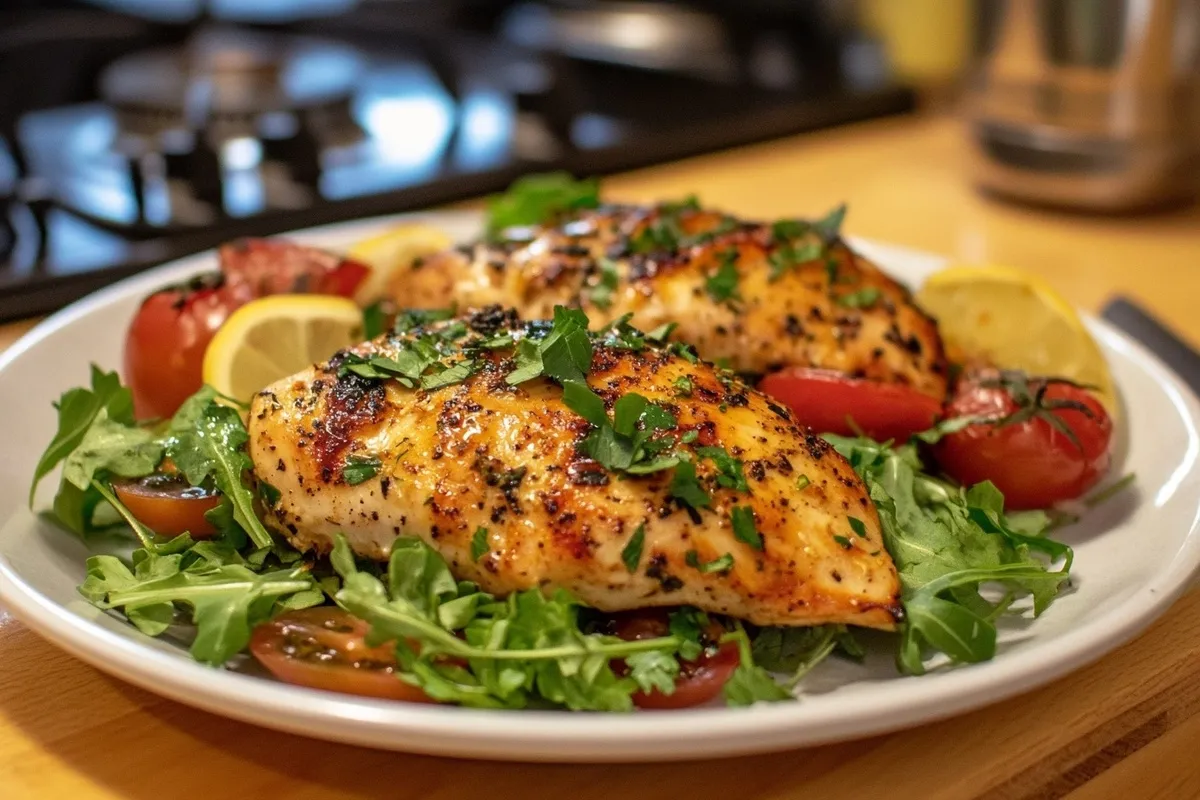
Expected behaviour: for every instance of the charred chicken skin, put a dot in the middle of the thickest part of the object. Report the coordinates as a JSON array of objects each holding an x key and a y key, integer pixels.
[
  {"x": 758, "y": 297},
  {"x": 517, "y": 489}
]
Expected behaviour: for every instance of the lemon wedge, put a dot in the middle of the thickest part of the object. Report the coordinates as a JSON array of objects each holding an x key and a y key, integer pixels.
[
  {"x": 273, "y": 337},
  {"x": 1016, "y": 321},
  {"x": 393, "y": 250}
]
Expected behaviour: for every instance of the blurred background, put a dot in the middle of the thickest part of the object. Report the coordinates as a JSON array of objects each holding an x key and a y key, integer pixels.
[{"x": 135, "y": 131}]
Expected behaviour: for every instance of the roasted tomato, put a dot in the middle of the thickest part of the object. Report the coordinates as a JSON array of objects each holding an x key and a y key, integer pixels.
[
  {"x": 168, "y": 505},
  {"x": 831, "y": 402},
  {"x": 1046, "y": 440},
  {"x": 325, "y": 648},
  {"x": 699, "y": 681},
  {"x": 275, "y": 266},
  {"x": 164, "y": 348}
]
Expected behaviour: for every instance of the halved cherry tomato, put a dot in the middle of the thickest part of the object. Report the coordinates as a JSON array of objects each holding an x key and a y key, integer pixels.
[
  {"x": 1050, "y": 441},
  {"x": 276, "y": 266},
  {"x": 825, "y": 399},
  {"x": 164, "y": 347},
  {"x": 699, "y": 681},
  {"x": 168, "y": 505},
  {"x": 324, "y": 648}
]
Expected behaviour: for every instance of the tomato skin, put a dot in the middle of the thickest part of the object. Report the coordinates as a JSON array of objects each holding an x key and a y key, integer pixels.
[
  {"x": 169, "y": 506},
  {"x": 822, "y": 399},
  {"x": 1031, "y": 462},
  {"x": 325, "y": 648},
  {"x": 276, "y": 266},
  {"x": 699, "y": 681},
  {"x": 164, "y": 346}
]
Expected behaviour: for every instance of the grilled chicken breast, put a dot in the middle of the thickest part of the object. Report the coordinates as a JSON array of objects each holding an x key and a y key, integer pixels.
[
  {"x": 761, "y": 297},
  {"x": 481, "y": 454}
]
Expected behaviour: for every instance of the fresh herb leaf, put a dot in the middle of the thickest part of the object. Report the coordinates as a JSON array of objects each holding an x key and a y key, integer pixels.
[
  {"x": 631, "y": 554},
  {"x": 479, "y": 544},
  {"x": 722, "y": 285},
  {"x": 412, "y": 318},
  {"x": 565, "y": 354},
  {"x": 660, "y": 334},
  {"x": 786, "y": 257},
  {"x": 802, "y": 483},
  {"x": 744, "y": 530},
  {"x": 722, "y": 564},
  {"x": 856, "y": 525},
  {"x": 796, "y": 651},
  {"x": 863, "y": 298},
  {"x": 215, "y": 447},
  {"x": 787, "y": 229},
  {"x": 686, "y": 488},
  {"x": 373, "y": 320},
  {"x": 112, "y": 447},
  {"x": 750, "y": 683},
  {"x": 451, "y": 375},
  {"x": 729, "y": 469},
  {"x": 360, "y": 469},
  {"x": 607, "y": 280},
  {"x": 688, "y": 624},
  {"x": 580, "y": 398},
  {"x": 843, "y": 541},
  {"x": 77, "y": 410},
  {"x": 660, "y": 236},
  {"x": 830, "y": 226},
  {"x": 537, "y": 199},
  {"x": 683, "y": 386}
]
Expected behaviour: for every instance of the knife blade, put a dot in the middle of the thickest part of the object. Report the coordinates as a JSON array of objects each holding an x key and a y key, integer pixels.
[{"x": 1165, "y": 343}]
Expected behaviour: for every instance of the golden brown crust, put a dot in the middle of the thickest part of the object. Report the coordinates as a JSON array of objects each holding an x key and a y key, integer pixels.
[
  {"x": 798, "y": 317},
  {"x": 483, "y": 454}
]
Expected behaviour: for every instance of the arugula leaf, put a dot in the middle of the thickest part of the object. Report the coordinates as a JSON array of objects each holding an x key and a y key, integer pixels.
[
  {"x": 722, "y": 285},
  {"x": 796, "y": 651},
  {"x": 77, "y": 410},
  {"x": 526, "y": 647},
  {"x": 536, "y": 199},
  {"x": 946, "y": 541},
  {"x": 750, "y": 683},
  {"x": 112, "y": 447},
  {"x": 215, "y": 447},
  {"x": 631, "y": 553},
  {"x": 744, "y": 530}
]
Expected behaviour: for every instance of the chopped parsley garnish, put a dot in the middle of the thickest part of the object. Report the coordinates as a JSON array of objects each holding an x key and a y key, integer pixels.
[
  {"x": 624, "y": 443},
  {"x": 373, "y": 319},
  {"x": 802, "y": 483},
  {"x": 683, "y": 386},
  {"x": 479, "y": 544},
  {"x": 729, "y": 469},
  {"x": 579, "y": 397},
  {"x": 843, "y": 541},
  {"x": 684, "y": 351},
  {"x": 660, "y": 334},
  {"x": 416, "y": 317},
  {"x": 722, "y": 564},
  {"x": 537, "y": 199},
  {"x": 830, "y": 226},
  {"x": 601, "y": 294},
  {"x": 451, "y": 375},
  {"x": 686, "y": 487},
  {"x": 863, "y": 298},
  {"x": 631, "y": 554},
  {"x": 722, "y": 285},
  {"x": 564, "y": 354},
  {"x": 856, "y": 525},
  {"x": 689, "y": 203},
  {"x": 831, "y": 269},
  {"x": 744, "y": 530},
  {"x": 787, "y": 256},
  {"x": 661, "y": 236},
  {"x": 788, "y": 229},
  {"x": 359, "y": 469}
]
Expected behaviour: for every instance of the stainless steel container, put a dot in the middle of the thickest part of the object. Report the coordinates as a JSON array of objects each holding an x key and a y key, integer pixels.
[{"x": 1090, "y": 104}]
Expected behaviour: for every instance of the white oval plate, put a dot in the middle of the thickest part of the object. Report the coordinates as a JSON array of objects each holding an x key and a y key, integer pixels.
[{"x": 1134, "y": 556}]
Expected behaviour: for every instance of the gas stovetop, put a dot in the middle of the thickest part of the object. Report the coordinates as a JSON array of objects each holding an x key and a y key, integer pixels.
[{"x": 125, "y": 143}]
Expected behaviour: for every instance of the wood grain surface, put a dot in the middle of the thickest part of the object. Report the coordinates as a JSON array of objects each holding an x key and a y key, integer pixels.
[{"x": 1125, "y": 727}]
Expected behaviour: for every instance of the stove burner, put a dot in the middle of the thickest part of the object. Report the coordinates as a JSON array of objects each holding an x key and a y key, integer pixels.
[{"x": 228, "y": 78}]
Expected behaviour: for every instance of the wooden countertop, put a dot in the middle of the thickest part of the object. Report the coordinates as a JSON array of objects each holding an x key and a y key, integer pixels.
[{"x": 1124, "y": 727}]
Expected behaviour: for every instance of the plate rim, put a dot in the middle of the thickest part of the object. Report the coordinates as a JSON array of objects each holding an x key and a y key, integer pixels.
[{"x": 559, "y": 736}]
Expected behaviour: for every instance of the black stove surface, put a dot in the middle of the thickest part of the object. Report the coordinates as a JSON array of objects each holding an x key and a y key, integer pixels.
[{"x": 125, "y": 143}]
